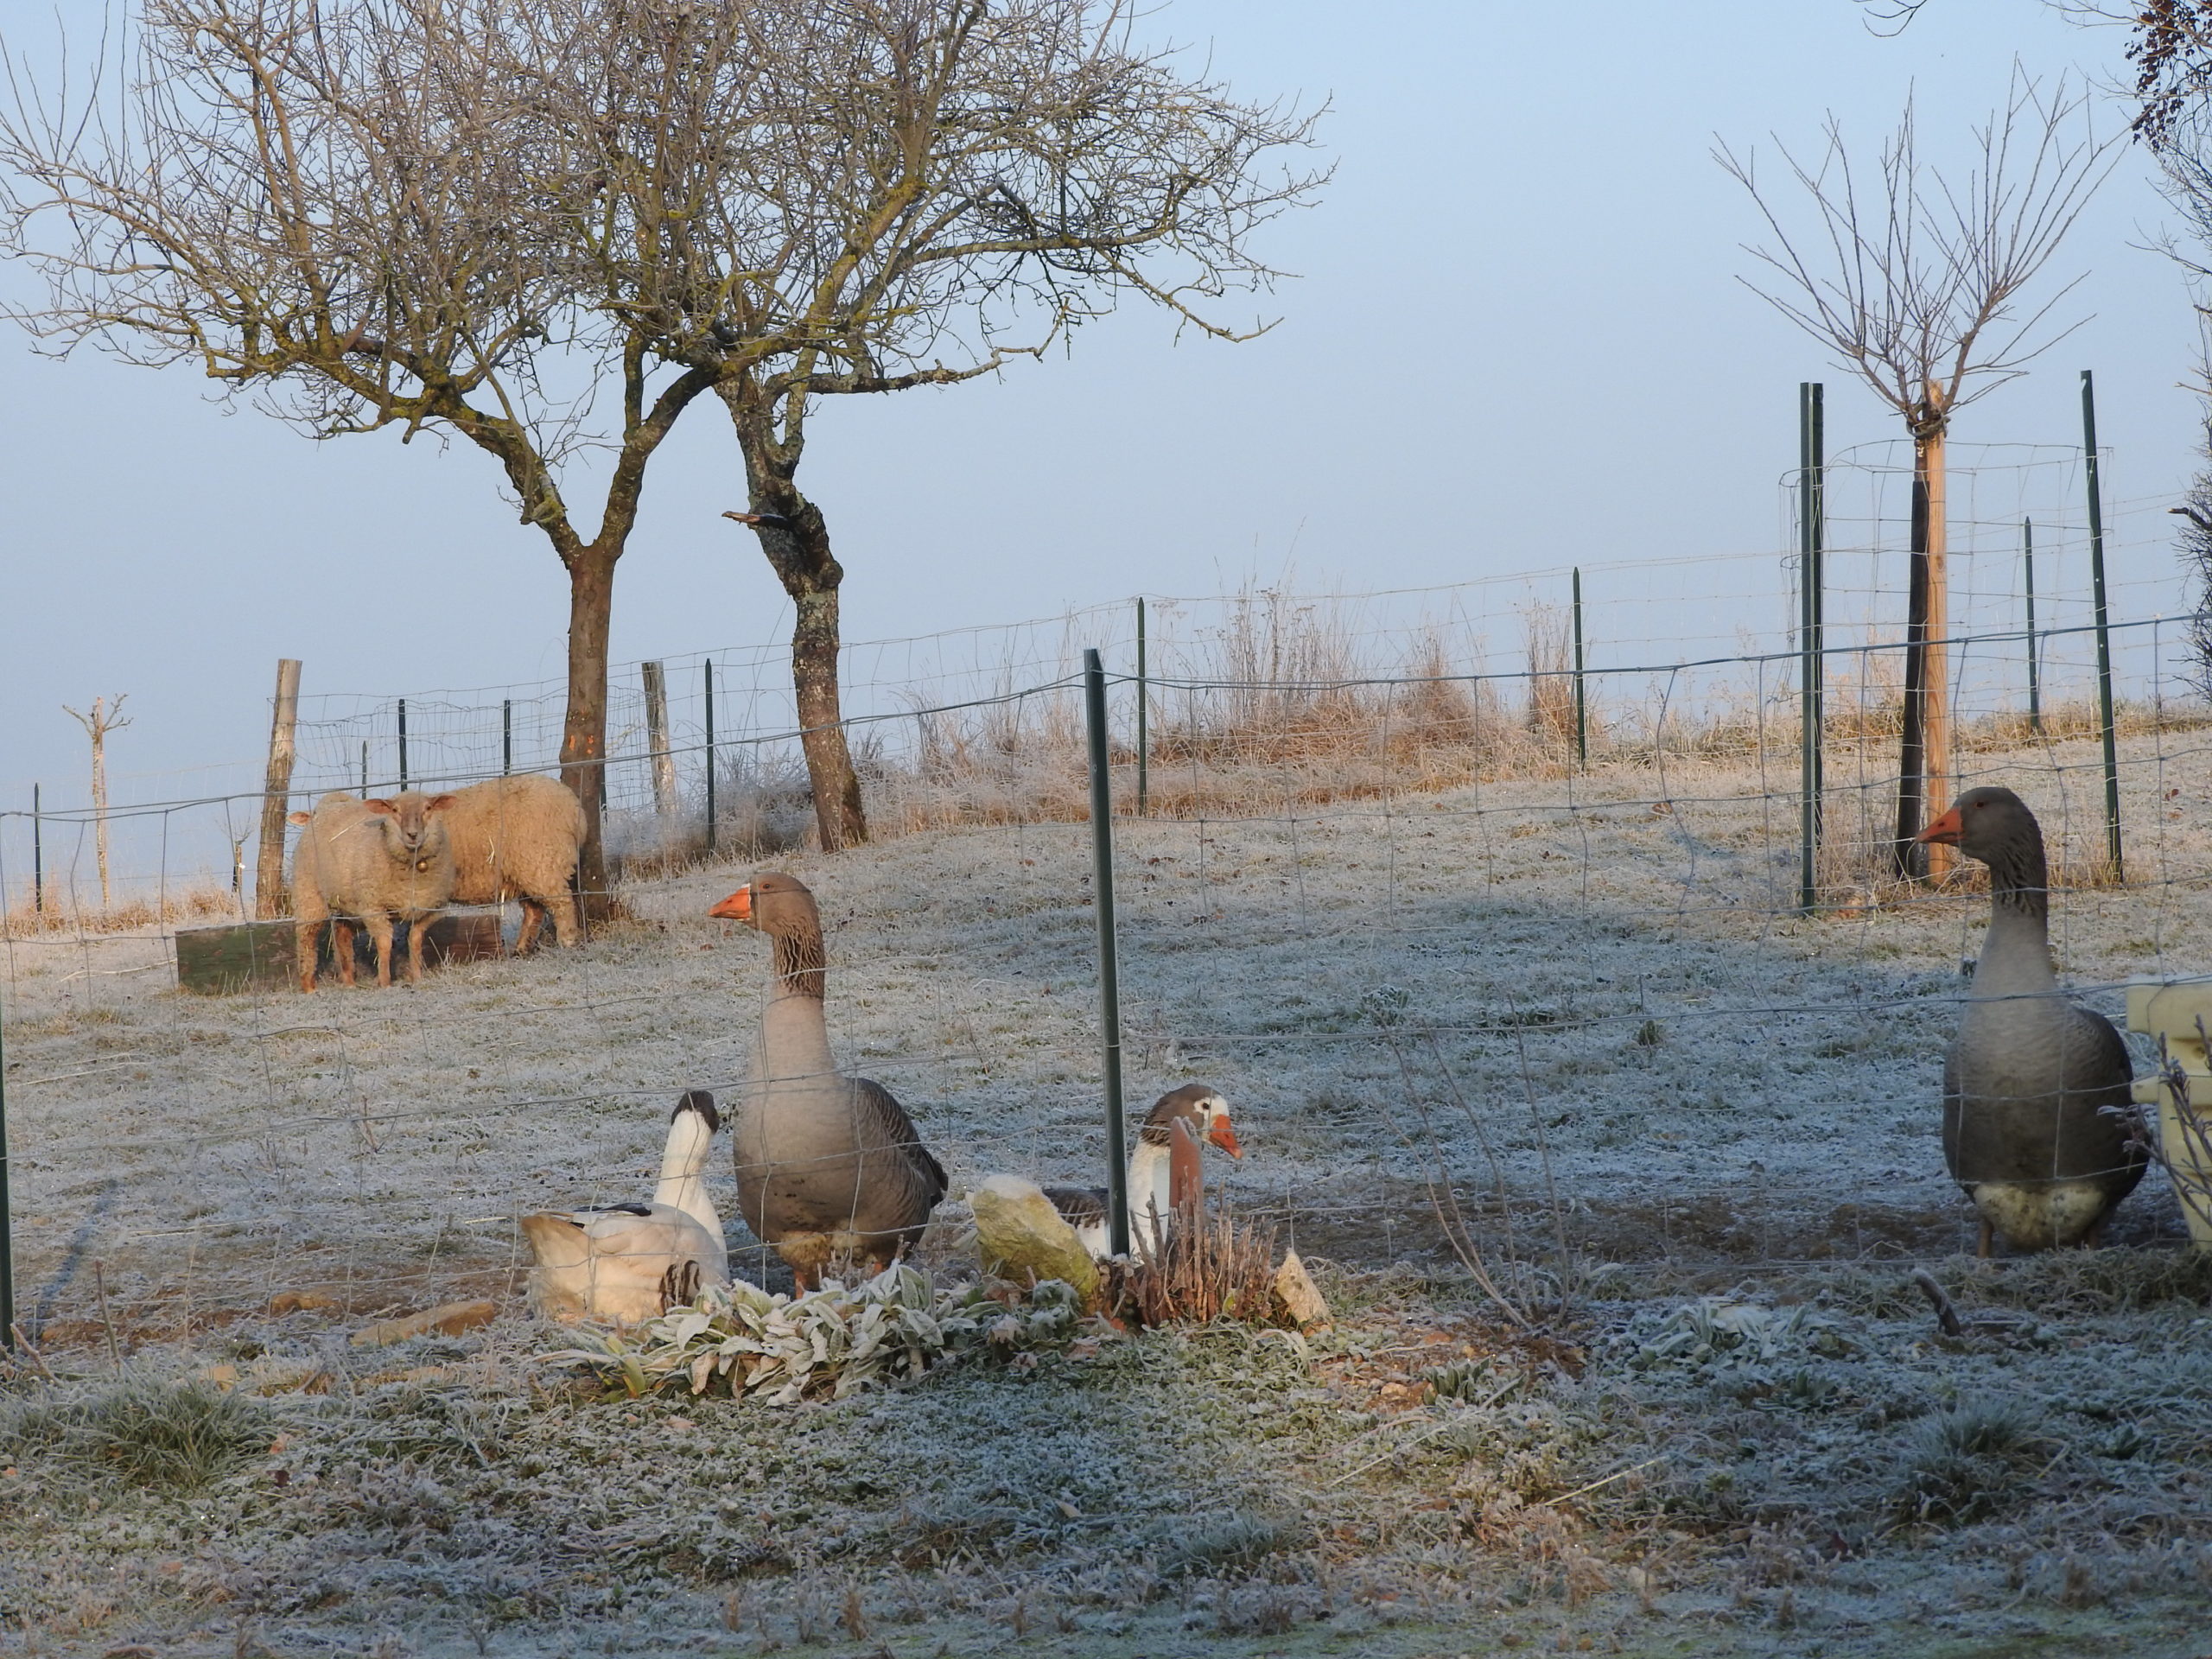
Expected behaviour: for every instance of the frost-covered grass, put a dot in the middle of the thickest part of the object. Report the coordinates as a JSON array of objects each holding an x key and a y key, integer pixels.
[{"x": 1582, "y": 1002}]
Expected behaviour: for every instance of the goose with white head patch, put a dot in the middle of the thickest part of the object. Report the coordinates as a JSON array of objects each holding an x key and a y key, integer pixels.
[{"x": 1152, "y": 1195}]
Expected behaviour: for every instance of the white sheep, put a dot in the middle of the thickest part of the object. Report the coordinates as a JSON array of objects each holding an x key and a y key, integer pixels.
[
  {"x": 518, "y": 838},
  {"x": 370, "y": 861}
]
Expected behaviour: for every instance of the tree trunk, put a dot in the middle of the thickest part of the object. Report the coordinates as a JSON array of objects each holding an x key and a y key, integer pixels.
[
  {"x": 829, "y": 767},
  {"x": 1936, "y": 692},
  {"x": 99, "y": 798},
  {"x": 1908, "y": 855},
  {"x": 797, "y": 543},
  {"x": 583, "y": 732}
]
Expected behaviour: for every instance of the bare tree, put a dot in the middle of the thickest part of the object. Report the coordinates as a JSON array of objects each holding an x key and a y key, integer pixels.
[
  {"x": 325, "y": 205},
  {"x": 824, "y": 198},
  {"x": 107, "y": 716},
  {"x": 2184, "y": 153},
  {"x": 1915, "y": 279}
]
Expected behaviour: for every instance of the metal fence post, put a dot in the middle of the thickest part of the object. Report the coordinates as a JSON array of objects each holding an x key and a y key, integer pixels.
[
  {"x": 1109, "y": 990},
  {"x": 1581, "y": 703},
  {"x": 38, "y": 859},
  {"x": 2035, "y": 669},
  {"x": 2104, "y": 637},
  {"x": 709, "y": 666},
  {"x": 1812, "y": 510},
  {"x": 365, "y": 768},
  {"x": 1144, "y": 746},
  {"x": 506, "y": 735},
  {"x": 403, "y": 743}
]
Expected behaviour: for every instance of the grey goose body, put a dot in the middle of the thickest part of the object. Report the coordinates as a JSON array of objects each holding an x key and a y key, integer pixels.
[
  {"x": 827, "y": 1165},
  {"x": 2031, "y": 1076}
]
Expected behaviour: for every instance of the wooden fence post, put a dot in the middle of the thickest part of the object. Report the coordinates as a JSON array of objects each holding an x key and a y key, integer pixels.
[
  {"x": 664, "y": 763},
  {"x": 268, "y": 895}
]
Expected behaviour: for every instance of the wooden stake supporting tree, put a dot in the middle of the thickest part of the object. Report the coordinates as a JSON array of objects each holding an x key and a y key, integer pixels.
[
  {"x": 1916, "y": 284},
  {"x": 107, "y": 716}
]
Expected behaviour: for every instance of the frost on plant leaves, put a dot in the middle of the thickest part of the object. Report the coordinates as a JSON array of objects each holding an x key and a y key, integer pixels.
[{"x": 832, "y": 1342}]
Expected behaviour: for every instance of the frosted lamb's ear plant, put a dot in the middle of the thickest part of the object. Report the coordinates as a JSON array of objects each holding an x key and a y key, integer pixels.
[{"x": 831, "y": 1343}]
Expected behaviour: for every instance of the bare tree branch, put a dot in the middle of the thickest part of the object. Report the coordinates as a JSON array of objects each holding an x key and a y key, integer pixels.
[{"x": 1922, "y": 293}]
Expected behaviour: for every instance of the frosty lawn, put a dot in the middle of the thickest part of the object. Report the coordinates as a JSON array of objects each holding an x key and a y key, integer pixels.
[{"x": 1729, "y": 1424}]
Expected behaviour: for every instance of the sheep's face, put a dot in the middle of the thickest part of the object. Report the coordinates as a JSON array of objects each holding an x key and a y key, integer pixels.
[{"x": 413, "y": 826}]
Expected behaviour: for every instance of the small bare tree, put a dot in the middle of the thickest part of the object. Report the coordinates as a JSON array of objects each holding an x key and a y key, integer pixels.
[
  {"x": 1915, "y": 279},
  {"x": 826, "y": 198},
  {"x": 107, "y": 716}
]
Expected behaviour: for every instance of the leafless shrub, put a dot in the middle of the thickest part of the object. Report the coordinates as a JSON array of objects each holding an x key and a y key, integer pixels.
[{"x": 1213, "y": 1266}]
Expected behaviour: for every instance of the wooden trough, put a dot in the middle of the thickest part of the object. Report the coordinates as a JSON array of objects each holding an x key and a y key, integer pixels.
[{"x": 259, "y": 956}]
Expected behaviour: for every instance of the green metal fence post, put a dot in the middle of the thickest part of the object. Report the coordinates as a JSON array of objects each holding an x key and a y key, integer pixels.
[
  {"x": 2104, "y": 637},
  {"x": 403, "y": 743},
  {"x": 1109, "y": 989},
  {"x": 709, "y": 668},
  {"x": 38, "y": 859},
  {"x": 506, "y": 735},
  {"x": 1144, "y": 745},
  {"x": 1812, "y": 510},
  {"x": 2035, "y": 669}
]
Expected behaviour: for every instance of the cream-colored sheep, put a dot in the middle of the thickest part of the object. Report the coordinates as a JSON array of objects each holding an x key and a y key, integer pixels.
[
  {"x": 518, "y": 838},
  {"x": 370, "y": 861}
]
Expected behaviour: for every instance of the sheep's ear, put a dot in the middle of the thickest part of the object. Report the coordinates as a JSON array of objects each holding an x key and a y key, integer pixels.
[
  {"x": 299, "y": 817},
  {"x": 383, "y": 806},
  {"x": 437, "y": 803}
]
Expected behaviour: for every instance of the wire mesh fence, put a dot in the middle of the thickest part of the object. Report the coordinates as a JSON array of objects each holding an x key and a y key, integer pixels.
[{"x": 1468, "y": 983}]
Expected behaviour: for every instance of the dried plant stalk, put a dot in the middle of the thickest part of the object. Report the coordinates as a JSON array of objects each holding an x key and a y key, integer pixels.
[{"x": 1213, "y": 1266}]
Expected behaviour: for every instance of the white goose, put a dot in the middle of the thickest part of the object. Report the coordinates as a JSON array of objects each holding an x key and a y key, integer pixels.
[
  {"x": 633, "y": 1261},
  {"x": 1151, "y": 1189}
]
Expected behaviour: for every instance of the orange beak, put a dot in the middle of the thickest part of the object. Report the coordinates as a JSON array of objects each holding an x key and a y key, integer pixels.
[
  {"x": 738, "y": 907},
  {"x": 1224, "y": 1137},
  {"x": 1945, "y": 831}
]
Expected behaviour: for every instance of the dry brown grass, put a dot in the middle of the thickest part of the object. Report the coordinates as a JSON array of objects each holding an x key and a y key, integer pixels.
[
  {"x": 59, "y": 915},
  {"x": 1213, "y": 1266},
  {"x": 1287, "y": 705}
]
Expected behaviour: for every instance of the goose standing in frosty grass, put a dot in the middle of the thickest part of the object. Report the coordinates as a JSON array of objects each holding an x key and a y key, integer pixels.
[
  {"x": 827, "y": 1165},
  {"x": 2032, "y": 1082},
  {"x": 633, "y": 1261},
  {"x": 1151, "y": 1195}
]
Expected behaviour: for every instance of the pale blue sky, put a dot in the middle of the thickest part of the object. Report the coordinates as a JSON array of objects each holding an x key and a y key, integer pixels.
[{"x": 1517, "y": 342}]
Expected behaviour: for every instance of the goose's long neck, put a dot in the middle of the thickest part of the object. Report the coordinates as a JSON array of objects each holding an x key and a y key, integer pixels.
[
  {"x": 1148, "y": 1188},
  {"x": 2016, "y": 954},
  {"x": 794, "y": 1030},
  {"x": 682, "y": 1162}
]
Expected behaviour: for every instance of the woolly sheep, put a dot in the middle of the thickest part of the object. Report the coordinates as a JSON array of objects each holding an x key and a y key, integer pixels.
[
  {"x": 371, "y": 861},
  {"x": 519, "y": 838}
]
